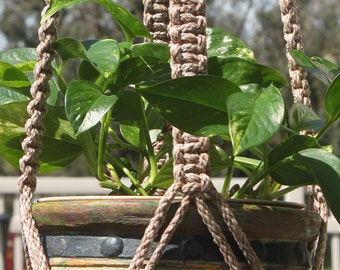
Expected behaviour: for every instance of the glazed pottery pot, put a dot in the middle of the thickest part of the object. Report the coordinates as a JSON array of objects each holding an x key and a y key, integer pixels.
[{"x": 104, "y": 232}]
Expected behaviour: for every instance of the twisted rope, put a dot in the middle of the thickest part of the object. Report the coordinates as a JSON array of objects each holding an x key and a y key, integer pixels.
[
  {"x": 301, "y": 93},
  {"x": 29, "y": 163},
  {"x": 191, "y": 158}
]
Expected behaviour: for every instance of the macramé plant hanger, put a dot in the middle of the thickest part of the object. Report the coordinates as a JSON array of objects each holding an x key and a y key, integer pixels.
[{"x": 182, "y": 24}]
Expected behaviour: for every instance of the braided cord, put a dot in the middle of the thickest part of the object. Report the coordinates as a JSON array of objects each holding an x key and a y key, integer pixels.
[
  {"x": 156, "y": 19},
  {"x": 29, "y": 163},
  {"x": 301, "y": 93},
  {"x": 191, "y": 153}
]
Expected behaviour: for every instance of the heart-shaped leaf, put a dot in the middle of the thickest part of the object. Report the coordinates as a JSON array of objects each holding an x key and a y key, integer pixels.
[
  {"x": 254, "y": 119},
  {"x": 86, "y": 105}
]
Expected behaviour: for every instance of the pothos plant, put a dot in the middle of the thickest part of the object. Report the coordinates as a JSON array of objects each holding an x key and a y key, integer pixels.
[{"x": 114, "y": 112}]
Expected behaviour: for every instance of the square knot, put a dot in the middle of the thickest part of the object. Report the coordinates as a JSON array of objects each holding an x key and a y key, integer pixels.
[{"x": 196, "y": 183}]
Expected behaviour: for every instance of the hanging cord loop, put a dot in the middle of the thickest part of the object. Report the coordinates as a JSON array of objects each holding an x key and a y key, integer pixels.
[
  {"x": 191, "y": 154},
  {"x": 29, "y": 163},
  {"x": 301, "y": 92}
]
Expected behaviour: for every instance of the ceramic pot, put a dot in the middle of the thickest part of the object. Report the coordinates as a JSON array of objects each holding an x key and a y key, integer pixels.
[{"x": 104, "y": 232}]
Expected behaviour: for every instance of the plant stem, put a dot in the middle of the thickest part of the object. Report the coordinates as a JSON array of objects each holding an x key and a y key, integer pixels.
[
  {"x": 227, "y": 179},
  {"x": 282, "y": 192},
  {"x": 265, "y": 184},
  {"x": 120, "y": 143},
  {"x": 128, "y": 174},
  {"x": 102, "y": 143},
  {"x": 86, "y": 141},
  {"x": 145, "y": 131},
  {"x": 60, "y": 79}
]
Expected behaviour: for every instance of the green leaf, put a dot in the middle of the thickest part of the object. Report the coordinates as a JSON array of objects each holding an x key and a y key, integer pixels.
[
  {"x": 56, "y": 98},
  {"x": 245, "y": 71},
  {"x": 326, "y": 170},
  {"x": 155, "y": 124},
  {"x": 60, "y": 146},
  {"x": 138, "y": 70},
  {"x": 57, "y": 154},
  {"x": 302, "y": 117},
  {"x": 320, "y": 69},
  {"x": 127, "y": 108},
  {"x": 104, "y": 56},
  {"x": 219, "y": 160},
  {"x": 151, "y": 49},
  {"x": 254, "y": 119},
  {"x": 289, "y": 146},
  {"x": 223, "y": 44},
  {"x": 129, "y": 24},
  {"x": 9, "y": 96},
  {"x": 133, "y": 70},
  {"x": 87, "y": 71},
  {"x": 19, "y": 56},
  {"x": 164, "y": 177},
  {"x": 57, "y": 126},
  {"x": 130, "y": 132},
  {"x": 285, "y": 167},
  {"x": 86, "y": 105},
  {"x": 69, "y": 48},
  {"x": 194, "y": 104},
  {"x": 332, "y": 101},
  {"x": 11, "y": 76}
]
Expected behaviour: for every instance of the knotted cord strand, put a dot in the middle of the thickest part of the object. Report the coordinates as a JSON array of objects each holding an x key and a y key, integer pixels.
[
  {"x": 191, "y": 158},
  {"x": 156, "y": 19},
  {"x": 191, "y": 154},
  {"x": 155, "y": 224},
  {"x": 236, "y": 230},
  {"x": 301, "y": 93},
  {"x": 29, "y": 163}
]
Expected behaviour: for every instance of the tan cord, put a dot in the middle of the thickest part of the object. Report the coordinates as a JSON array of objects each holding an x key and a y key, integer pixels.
[
  {"x": 301, "y": 92},
  {"x": 236, "y": 230},
  {"x": 29, "y": 163},
  {"x": 191, "y": 154},
  {"x": 154, "y": 226},
  {"x": 156, "y": 19}
]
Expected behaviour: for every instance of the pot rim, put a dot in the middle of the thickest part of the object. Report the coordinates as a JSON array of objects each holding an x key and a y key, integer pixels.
[{"x": 157, "y": 198}]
